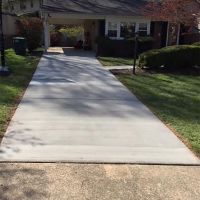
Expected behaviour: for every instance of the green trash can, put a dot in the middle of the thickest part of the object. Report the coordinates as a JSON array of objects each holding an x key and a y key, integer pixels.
[{"x": 20, "y": 45}]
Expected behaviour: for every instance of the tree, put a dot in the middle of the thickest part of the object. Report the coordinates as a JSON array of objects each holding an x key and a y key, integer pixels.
[
  {"x": 31, "y": 28},
  {"x": 176, "y": 12}
]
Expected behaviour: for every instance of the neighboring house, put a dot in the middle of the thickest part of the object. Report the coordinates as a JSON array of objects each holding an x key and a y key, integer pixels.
[
  {"x": 9, "y": 27},
  {"x": 116, "y": 19},
  {"x": 9, "y": 24},
  {"x": 12, "y": 9},
  {"x": 21, "y": 7}
]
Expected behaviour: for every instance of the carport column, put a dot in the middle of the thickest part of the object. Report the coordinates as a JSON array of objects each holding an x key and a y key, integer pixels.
[{"x": 46, "y": 32}]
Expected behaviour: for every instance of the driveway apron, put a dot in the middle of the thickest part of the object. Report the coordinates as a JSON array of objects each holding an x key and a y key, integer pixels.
[{"x": 74, "y": 110}]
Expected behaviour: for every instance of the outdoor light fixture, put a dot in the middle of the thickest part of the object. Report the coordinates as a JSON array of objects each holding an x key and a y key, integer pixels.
[
  {"x": 135, "y": 51},
  {"x": 4, "y": 71}
]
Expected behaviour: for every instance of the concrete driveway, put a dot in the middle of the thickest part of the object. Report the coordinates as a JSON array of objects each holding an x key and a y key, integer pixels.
[
  {"x": 76, "y": 111},
  {"x": 58, "y": 181}
]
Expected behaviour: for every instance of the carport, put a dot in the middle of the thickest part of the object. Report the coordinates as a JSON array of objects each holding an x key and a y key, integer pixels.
[
  {"x": 101, "y": 18},
  {"x": 90, "y": 25}
]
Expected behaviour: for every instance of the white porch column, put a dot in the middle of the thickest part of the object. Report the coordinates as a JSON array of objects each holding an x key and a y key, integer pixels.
[{"x": 46, "y": 32}]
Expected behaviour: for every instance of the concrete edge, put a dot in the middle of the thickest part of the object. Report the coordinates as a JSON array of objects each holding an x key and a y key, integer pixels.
[{"x": 80, "y": 162}]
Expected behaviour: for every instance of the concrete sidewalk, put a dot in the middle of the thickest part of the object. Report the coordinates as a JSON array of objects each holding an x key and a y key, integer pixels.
[{"x": 76, "y": 111}]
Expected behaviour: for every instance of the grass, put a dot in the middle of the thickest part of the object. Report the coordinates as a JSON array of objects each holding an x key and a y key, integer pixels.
[
  {"x": 110, "y": 61},
  {"x": 12, "y": 87},
  {"x": 173, "y": 98}
]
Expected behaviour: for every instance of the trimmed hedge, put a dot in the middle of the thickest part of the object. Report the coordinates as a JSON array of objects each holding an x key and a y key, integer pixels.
[
  {"x": 70, "y": 35},
  {"x": 196, "y": 44},
  {"x": 122, "y": 48},
  {"x": 182, "y": 56}
]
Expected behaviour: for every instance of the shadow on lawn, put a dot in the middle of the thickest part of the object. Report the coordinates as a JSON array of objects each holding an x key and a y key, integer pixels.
[
  {"x": 174, "y": 95},
  {"x": 174, "y": 98}
]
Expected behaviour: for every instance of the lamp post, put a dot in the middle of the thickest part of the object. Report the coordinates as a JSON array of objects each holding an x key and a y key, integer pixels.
[
  {"x": 135, "y": 52},
  {"x": 4, "y": 71}
]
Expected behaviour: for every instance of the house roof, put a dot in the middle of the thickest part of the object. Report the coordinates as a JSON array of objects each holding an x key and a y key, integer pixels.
[{"x": 100, "y": 7}]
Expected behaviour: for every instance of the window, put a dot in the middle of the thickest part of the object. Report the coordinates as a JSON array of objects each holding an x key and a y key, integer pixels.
[
  {"x": 127, "y": 29},
  {"x": 31, "y": 3},
  {"x": 143, "y": 29},
  {"x": 11, "y": 7},
  {"x": 112, "y": 29}
]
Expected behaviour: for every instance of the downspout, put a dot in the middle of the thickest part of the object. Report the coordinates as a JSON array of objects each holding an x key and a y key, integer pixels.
[
  {"x": 167, "y": 38},
  {"x": 178, "y": 34}
]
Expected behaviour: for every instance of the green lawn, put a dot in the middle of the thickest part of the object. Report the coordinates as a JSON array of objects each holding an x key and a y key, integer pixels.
[
  {"x": 174, "y": 98},
  {"x": 12, "y": 87},
  {"x": 110, "y": 61}
]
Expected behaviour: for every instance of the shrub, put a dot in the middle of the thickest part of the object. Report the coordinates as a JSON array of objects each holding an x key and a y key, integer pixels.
[
  {"x": 31, "y": 28},
  {"x": 122, "y": 48},
  {"x": 105, "y": 46},
  {"x": 196, "y": 44},
  {"x": 151, "y": 59},
  {"x": 182, "y": 56},
  {"x": 71, "y": 34},
  {"x": 55, "y": 39}
]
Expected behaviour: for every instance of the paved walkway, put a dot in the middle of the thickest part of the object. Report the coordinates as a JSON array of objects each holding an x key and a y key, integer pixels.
[{"x": 76, "y": 111}]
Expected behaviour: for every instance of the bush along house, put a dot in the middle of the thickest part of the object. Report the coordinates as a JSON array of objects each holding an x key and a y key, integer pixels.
[{"x": 109, "y": 25}]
